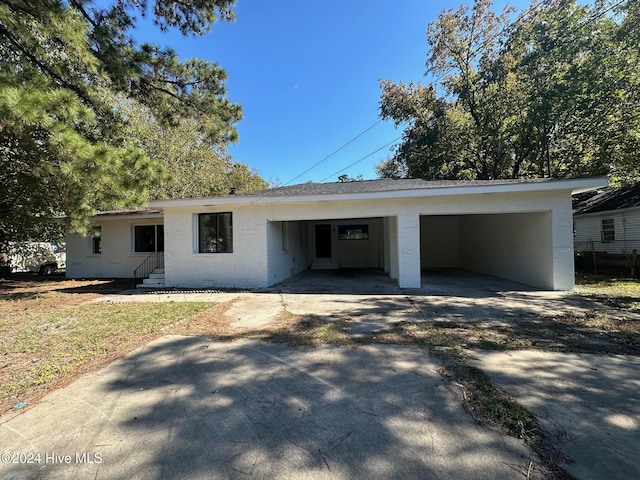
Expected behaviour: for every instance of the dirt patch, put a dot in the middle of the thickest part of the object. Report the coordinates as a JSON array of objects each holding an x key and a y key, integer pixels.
[{"x": 31, "y": 286}]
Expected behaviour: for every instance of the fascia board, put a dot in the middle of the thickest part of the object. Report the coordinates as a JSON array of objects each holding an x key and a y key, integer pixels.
[{"x": 131, "y": 216}]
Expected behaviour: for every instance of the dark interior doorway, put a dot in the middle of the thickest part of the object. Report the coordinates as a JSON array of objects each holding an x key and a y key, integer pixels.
[{"x": 323, "y": 240}]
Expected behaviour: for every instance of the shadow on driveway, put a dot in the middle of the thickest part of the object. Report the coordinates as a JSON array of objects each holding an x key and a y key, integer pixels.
[{"x": 192, "y": 408}]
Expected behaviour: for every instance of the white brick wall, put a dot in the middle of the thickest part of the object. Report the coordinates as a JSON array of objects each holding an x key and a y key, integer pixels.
[
  {"x": 117, "y": 260},
  {"x": 516, "y": 246},
  {"x": 245, "y": 267},
  {"x": 540, "y": 244},
  {"x": 409, "y": 274},
  {"x": 295, "y": 259}
]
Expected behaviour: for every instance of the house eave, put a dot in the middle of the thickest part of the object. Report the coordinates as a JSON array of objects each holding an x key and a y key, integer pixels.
[
  {"x": 573, "y": 186},
  {"x": 112, "y": 216}
]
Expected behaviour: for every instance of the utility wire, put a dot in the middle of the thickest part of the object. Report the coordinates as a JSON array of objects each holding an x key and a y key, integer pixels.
[
  {"x": 361, "y": 159},
  {"x": 334, "y": 152},
  {"x": 524, "y": 14},
  {"x": 533, "y": 10}
]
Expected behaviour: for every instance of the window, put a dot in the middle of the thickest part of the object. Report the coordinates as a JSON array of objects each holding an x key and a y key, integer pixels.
[
  {"x": 215, "y": 233},
  {"x": 148, "y": 238},
  {"x": 608, "y": 230},
  {"x": 353, "y": 232},
  {"x": 96, "y": 241}
]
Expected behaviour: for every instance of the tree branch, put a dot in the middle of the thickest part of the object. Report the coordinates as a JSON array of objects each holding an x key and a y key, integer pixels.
[
  {"x": 45, "y": 68},
  {"x": 84, "y": 13}
]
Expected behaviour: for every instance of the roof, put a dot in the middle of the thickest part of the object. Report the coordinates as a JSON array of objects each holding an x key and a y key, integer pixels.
[
  {"x": 380, "y": 185},
  {"x": 127, "y": 213},
  {"x": 387, "y": 189},
  {"x": 608, "y": 199}
]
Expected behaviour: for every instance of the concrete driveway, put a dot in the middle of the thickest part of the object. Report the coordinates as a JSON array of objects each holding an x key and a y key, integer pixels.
[
  {"x": 184, "y": 407},
  {"x": 589, "y": 405},
  {"x": 188, "y": 407}
]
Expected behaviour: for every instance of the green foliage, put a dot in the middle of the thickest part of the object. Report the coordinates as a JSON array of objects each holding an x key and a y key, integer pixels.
[
  {"x": 553, "y": 93},
  {"x": 194, "y": 167},
  {"x": 61, "y": 135}
]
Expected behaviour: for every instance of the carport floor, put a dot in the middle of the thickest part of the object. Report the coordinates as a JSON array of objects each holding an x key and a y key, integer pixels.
[{"x": 447, "y": 281}]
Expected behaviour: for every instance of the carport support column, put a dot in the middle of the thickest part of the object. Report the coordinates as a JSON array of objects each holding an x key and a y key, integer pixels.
[
  {"x": 408, "y": 250},
  {"x": 562, "y": 235}
]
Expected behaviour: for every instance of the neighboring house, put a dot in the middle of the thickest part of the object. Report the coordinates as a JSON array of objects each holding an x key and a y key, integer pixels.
[
  {"x": 514, "y": 229},
  {"x": 607, "y": 228}
]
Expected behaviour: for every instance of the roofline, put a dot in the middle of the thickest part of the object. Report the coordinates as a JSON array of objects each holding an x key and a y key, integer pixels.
[
  {"x": 607, "y": 212},
  {"x": 574, "y": 185},
  {"x": 124, "y": 216}
]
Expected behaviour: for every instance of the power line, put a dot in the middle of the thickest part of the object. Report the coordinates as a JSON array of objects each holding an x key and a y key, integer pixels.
[
  {"x": 533, "y": 9},
  {"x": 527, "y": 12},
  {"x": 361, "y": 159},
  {"x": 335, "y": 151}
]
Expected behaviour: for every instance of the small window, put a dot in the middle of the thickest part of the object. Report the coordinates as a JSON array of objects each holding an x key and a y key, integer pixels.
[
  {"x": 608, "y": 230},
  {"x": 148, "y": 238},
  {"x": 215, "y": 233},
  {"x": 353, "y": 232},
  {"x": 96, "y": 241}
]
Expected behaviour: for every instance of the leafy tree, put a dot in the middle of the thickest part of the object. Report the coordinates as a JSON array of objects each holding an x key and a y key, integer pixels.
[
  {"x": 194, "y": 167},
  {"x": 346, "y": 178},
  {"x": 61, "y": 64},
  {"x": 554, "y": 93}
]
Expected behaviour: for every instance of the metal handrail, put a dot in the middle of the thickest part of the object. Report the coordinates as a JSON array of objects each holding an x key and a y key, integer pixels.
[{"x": 153, "y": 261}]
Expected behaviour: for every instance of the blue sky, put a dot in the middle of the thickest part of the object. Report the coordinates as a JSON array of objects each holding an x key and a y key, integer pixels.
[{"x": 307, "y": 76}]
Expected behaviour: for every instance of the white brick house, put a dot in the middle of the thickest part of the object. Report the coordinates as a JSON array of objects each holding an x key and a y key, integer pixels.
[{"x": 514, "y": 229}]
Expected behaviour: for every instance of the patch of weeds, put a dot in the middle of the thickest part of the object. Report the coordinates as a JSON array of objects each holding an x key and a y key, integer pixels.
[
  {"x": 310, "y": 330},
  {"x": 49, "y": 372},
  {"x": 492, "y": 405},
  {"x": 27, "y": 340},
  {"x": 620, "y": 293},
  {"x": 425, "y": 335}
]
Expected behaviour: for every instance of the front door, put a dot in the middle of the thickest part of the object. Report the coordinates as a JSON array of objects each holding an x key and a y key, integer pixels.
[{"x": 323, "y": 240}]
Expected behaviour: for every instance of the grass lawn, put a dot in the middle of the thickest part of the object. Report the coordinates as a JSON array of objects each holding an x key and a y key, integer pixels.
[
  {"x": 48, "y": 336},
  {"x": 619, "y": 292}
]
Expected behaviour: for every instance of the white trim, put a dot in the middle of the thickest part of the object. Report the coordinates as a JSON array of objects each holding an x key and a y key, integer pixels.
[{"x": 131, "y": 216}]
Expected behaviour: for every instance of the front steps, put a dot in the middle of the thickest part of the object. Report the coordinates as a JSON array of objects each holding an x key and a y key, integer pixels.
[{"x": 155, "y": 280}]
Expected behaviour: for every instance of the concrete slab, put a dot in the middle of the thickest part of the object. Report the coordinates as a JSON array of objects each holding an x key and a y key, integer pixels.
[
  {"x": 255, "y": 311},
  {"x": 190, "y": 408},
  {"x": 588, "y": 403},
  {"x": 353, "y": 305},
  {"x": 343, "y": 281}
]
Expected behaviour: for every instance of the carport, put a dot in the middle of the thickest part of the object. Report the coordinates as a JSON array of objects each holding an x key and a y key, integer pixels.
[
  {"x": 513, "y": 246},
  {"x": 355, "y": 243}
]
